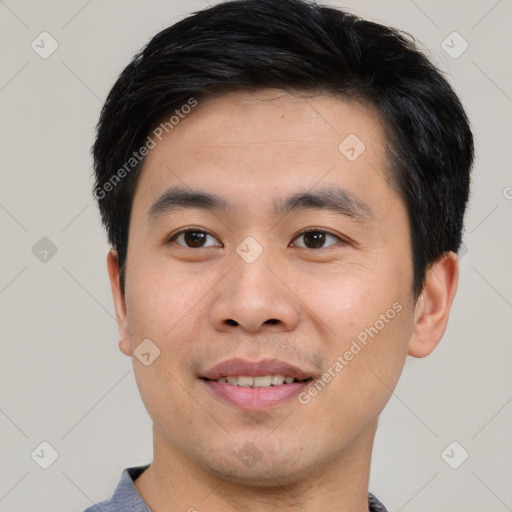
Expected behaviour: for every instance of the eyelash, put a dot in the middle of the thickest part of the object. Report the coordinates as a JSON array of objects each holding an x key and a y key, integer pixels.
[{"x": 174, "y": 236}]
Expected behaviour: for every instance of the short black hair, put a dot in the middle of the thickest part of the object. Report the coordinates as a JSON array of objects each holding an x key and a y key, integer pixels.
[{"x": 295, "y": 45}]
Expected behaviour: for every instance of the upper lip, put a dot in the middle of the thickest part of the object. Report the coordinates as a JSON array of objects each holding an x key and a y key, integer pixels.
[{"x": 235, "y": 367}]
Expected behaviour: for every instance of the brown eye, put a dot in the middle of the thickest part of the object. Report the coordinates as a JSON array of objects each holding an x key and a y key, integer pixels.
[
  {"x": 315, "y": 239},
  {"x": 192, "y": 238}
]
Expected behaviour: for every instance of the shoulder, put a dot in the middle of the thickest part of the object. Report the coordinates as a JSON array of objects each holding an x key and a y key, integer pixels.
[
  {"x": 125, "y": 497},
  {"x": 375, "y": 505}
]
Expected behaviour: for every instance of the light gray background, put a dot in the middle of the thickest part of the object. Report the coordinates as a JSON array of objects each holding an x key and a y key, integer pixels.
[{"x": 63, "y": 379}]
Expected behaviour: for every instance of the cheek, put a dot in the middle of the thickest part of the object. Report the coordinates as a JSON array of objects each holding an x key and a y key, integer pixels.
[
  {"x": 163, "y": 392},
  {"x": 163, "y": 305},
  {"x": 366, "y": 316},
  {"x": 365, "y": 365},
  {"x": 349, "y": 299},
  {"x": 159, "y": 300},
  {"x": 159, "y": 303}
]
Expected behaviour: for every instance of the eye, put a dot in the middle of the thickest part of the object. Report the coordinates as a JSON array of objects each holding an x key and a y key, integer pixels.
[
  {"x": 315, "y": 239},
  {"x": 196, "y": 239},
  {"x": 193, "y": 238}
]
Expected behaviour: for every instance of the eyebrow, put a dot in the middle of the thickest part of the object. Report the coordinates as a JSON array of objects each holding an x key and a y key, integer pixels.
[{"x": 332, "y": 198}]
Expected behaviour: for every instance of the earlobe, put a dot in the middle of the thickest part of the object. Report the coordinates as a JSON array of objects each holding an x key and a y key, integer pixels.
[
  {"x": 119, "y": 302},
  {"x": 432, "y": 309}
]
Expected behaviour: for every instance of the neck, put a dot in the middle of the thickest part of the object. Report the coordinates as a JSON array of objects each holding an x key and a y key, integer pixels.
[{"x": 175, "y": 482}]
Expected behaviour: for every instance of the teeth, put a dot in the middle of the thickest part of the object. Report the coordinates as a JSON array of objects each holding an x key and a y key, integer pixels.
[
  {"x": 263, "y": 381},
  {"x": 277, "y": 380},
  {"x": 245, "y": 381}
]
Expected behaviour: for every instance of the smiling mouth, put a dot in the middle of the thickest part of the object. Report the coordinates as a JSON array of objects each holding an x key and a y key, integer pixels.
[{"x": 262, "y": 381}]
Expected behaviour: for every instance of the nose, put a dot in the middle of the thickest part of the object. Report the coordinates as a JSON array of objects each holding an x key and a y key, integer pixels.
[{"x": 256, "y": 296}]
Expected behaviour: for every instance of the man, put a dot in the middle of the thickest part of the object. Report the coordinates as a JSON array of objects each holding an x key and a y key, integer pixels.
[{"x": 284, "y": 187}]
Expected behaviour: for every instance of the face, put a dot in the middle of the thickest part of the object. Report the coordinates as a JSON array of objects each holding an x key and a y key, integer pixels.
[{"x": 319, "y": 286}]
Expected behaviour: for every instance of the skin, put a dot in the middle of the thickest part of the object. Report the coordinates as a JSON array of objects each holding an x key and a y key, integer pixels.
[{"x": 203, "y": 305}]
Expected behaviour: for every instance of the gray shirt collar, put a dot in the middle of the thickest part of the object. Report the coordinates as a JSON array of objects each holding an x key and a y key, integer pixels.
[{"x": 126, "y": 498}]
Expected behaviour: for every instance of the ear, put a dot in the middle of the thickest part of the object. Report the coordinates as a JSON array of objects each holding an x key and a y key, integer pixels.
[
  {"x": 433, "y": 306},
  {"x": 119, "y": 301}
]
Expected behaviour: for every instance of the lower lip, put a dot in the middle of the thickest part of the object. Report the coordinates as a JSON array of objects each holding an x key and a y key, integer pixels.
[{"x": 256, "y": 398}]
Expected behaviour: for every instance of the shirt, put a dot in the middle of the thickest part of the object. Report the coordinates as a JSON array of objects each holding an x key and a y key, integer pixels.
[{"x": 126, "y": 498}]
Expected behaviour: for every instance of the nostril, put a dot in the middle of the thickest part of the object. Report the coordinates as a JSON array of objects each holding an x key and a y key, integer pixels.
[
  {"x": 272, "y": 321},
  {"x": 231, "y": 322}
]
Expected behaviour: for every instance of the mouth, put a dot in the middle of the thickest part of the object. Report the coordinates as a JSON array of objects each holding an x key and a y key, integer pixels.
[
  {"x": 255, "y": 385},
  {"x": 261, "y": 381}
]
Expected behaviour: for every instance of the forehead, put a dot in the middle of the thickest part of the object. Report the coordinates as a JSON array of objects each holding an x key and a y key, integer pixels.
[
  {"x": 276, "y": 118},
  {"x": 243, "y": 142}
]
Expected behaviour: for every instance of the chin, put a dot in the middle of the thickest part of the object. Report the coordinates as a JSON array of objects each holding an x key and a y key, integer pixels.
[{"x": 258, "y": 464}]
